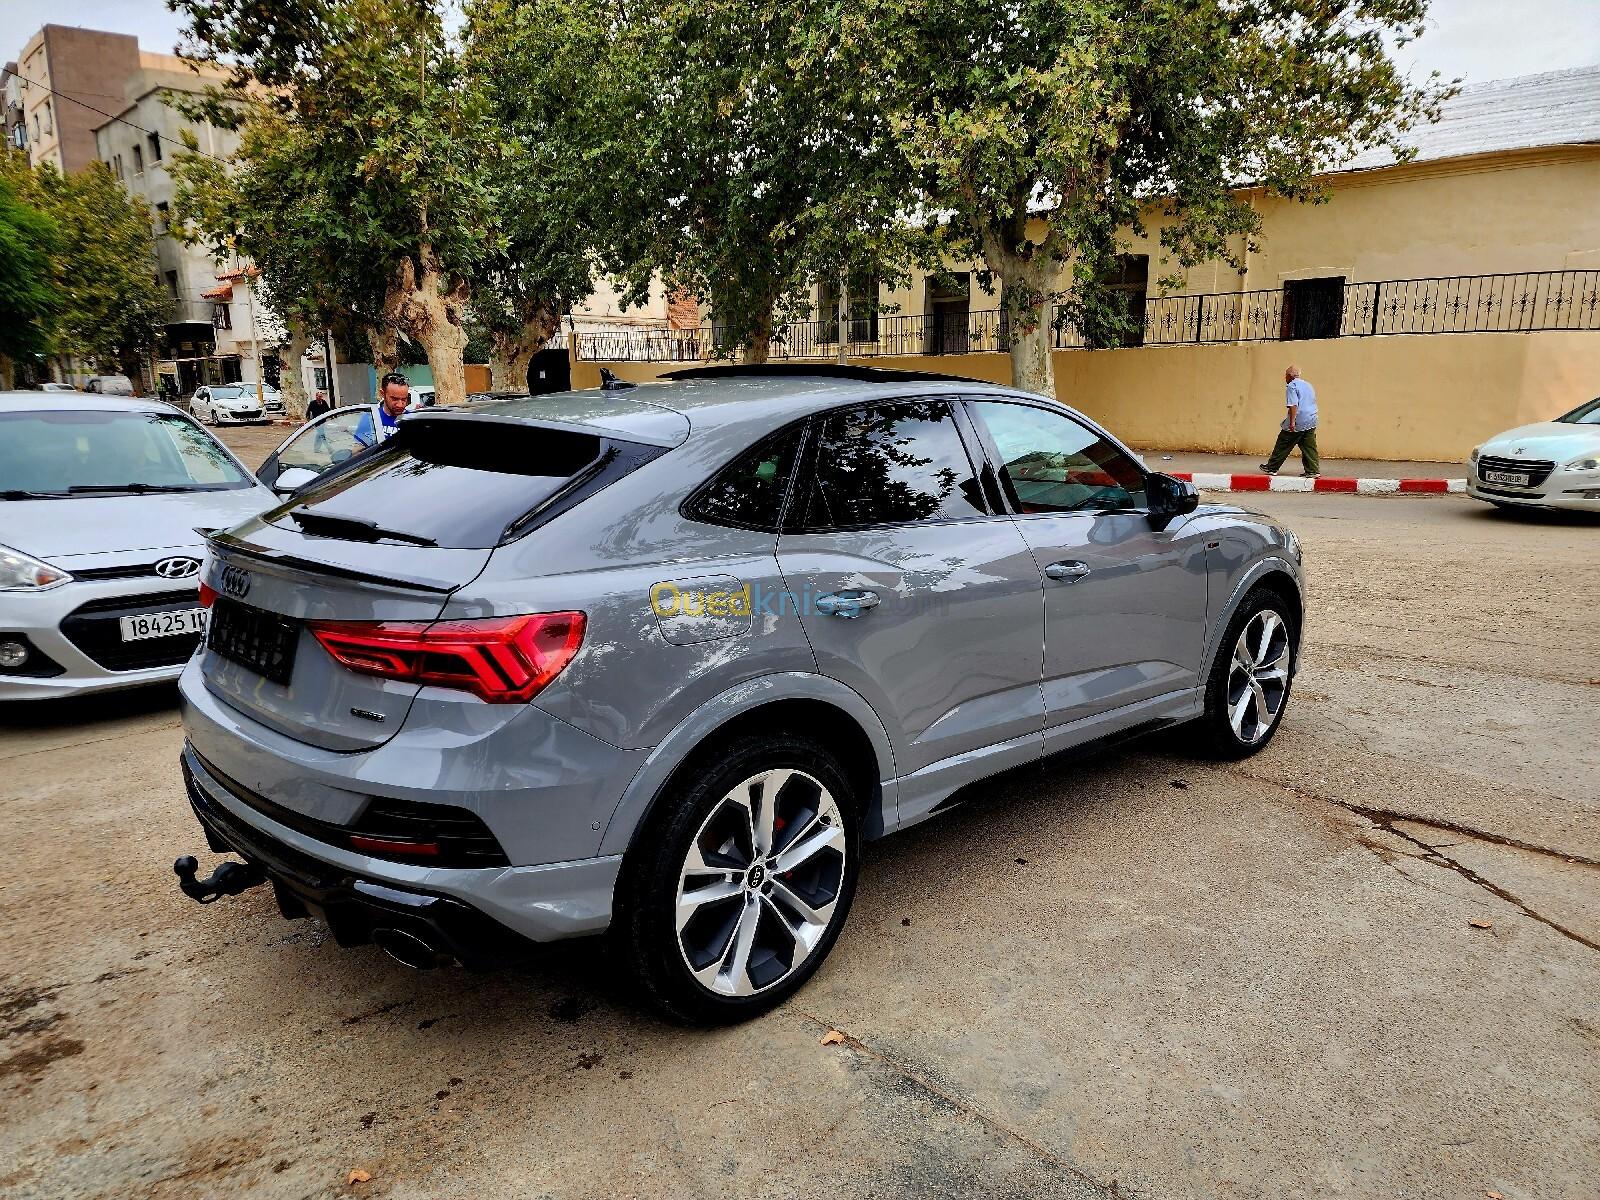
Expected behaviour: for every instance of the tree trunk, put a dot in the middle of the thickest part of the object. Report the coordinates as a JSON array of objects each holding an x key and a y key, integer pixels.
[
  {"x": 291, "y": 381},
  {"x": 760, "y": 336},
  {"x": 1024, "y": 305},
  {"x": 429, "y": 306},
  {"x": 385, "y": 344},
  {"x": 511, "y": 354},
  {"x": 842, "y": 317},
  {"x": 7, "y": 374}
]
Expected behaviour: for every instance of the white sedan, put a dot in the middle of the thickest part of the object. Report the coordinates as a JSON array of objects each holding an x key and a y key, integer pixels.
[
  {"x": 235, "y": 404},
  {"x": 1550, "y": 464}
]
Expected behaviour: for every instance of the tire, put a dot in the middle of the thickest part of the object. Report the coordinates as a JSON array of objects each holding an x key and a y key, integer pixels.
[
  {"x": 1226, "y": 730},
  {"x": 759, "y": 931}
]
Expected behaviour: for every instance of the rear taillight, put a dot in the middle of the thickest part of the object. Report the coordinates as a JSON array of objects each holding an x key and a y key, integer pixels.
[
  {"x": 208, "y": 595},
  {"x": 503, "y": 660}
]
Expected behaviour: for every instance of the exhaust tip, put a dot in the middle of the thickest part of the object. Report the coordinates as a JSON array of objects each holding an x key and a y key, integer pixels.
[{"x": 409, "y": 949}]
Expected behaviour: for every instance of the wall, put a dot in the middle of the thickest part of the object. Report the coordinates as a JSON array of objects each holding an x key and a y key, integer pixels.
[{"x": 1424, "y": 398}]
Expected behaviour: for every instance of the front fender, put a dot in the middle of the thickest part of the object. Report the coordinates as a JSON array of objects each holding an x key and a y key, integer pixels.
[
  {"x": 641, "y": 793},
  {"x": 1273, "y": 562}
]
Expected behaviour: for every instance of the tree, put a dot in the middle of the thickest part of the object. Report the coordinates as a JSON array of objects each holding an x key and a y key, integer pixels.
[
  {"x": 739, "y": 165},
  {"x": 89, "y": 249},
  {"x": 359, "y": 159},
  {"x": 29, "y": 298},
  {"x": 1046, "y": 126},
  {"x": 524, "y": 60}
]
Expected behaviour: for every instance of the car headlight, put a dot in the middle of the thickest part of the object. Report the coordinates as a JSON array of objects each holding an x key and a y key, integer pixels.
[
  {"x": 1473, "y": 457},
  {"x": 21, "y": 572},
  {"x": 1590, "y": 462}
]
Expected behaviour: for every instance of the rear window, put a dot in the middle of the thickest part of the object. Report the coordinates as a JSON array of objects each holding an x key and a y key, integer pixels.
[{"x": 465, "y": 484}]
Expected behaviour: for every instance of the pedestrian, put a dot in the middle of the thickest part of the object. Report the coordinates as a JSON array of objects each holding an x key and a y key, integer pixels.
[
  {"x": 1299, "y": 426},
  {"x": 378, "y": 423},
  {"x": 318, "y": 406}
]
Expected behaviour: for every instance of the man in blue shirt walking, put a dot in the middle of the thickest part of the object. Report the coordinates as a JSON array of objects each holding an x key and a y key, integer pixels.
[{"x": 1299, "y": 426}]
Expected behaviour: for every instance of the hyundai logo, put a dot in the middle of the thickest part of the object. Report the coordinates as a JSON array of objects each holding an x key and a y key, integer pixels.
[
  {"x": 178, "y": 568},
  {"x": 235, "y": 582}
]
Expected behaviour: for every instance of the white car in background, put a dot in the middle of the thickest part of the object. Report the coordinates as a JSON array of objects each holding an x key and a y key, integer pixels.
[
  {"x": 235, "y": 404},
  {"x": 1550, "y": 464},
  {"x": 104, "y": 507}
]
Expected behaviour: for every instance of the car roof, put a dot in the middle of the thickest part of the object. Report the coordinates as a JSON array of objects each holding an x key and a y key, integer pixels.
[
  {"x": 718, "y": 398},
  {"x": 79, "y": 401}
]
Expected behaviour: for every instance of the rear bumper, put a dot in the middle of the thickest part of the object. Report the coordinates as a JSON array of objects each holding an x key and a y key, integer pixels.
[{"x": 351, "y": 906}]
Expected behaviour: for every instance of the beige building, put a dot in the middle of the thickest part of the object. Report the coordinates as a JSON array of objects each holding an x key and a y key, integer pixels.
[{"x": 67, "y": 79}]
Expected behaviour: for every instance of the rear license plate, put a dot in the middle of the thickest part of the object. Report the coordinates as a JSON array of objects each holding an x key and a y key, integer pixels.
[
  {"x": 1506, "y": 477},
  {"x": 261, "y": 641},
  {"x": 163, "y": 624}
]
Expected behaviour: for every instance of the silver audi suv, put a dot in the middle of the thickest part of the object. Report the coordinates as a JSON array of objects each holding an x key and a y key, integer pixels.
[{"x": 658, "y": 659}]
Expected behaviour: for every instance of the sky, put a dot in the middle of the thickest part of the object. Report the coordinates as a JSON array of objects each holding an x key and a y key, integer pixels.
[{"x": 1473, "y": 39}]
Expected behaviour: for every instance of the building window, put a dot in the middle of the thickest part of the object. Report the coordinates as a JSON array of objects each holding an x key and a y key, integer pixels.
[
  {"x": 1312, "y": 308},
  {"x": 172, "y": 284},
  {"x": 155, "y": 147},
  {"x": 862, "y": 298},
  {"x": 116, "y": 165},
  {"x": 222, "y": 316},
  {"x": 138, "y": 160},
  {"x": 1117, "y": 315},
  {"x": 162, "y": 208},
  {"x": 49, "y": 118}
]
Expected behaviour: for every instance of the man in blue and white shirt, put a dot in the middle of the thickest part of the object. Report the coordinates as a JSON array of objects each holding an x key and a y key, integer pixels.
[
  {"x": 1299, "y": 426},
  {"x": 378, "y": 423}
]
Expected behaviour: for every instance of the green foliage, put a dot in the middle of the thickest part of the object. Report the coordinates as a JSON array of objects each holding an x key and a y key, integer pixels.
[
  {"x": 29, "y": 299},
  {"x": 733, "y": 158},
  {"x": 80, "y": 269}
]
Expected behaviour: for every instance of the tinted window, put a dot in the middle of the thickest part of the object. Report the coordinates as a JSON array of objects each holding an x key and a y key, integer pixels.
[
  {"x": 749, "y": 492},
  {"x": 891, "y": 464},
  {"x": 1051, "y": 463},
  {"x": 465, "y": 484},
  {"x": 76, "y": 452}
]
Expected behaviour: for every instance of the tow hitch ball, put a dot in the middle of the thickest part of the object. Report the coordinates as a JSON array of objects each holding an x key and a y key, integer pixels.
[{"x": 229, "y": 879}]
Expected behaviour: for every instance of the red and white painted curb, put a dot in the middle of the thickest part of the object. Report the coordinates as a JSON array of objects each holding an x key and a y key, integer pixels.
[{"x": 1322, "y": 483}]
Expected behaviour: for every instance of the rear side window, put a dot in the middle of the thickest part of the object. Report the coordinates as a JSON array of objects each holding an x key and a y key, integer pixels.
[
  {"x": 748, "y": 493},
  {"x": 891, "y": 464},
  {"x": 467, "y": 484}
]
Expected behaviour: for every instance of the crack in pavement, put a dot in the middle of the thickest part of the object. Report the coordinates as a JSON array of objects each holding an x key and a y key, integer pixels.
[
  {"x": 959, "y": 1105},
  {"x": 1384, "y": 819}
]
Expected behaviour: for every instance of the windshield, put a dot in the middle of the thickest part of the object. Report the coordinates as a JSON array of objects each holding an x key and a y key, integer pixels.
[
  {"x": 72, "y": 453},
  {"x": 1584, "y": 414},
  {"x": 235, "y": 392}
]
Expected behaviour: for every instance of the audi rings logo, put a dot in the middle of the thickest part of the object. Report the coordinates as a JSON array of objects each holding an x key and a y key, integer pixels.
[
  {"x": 178, "y": 568},
  {"x": 235, "y": 582}
]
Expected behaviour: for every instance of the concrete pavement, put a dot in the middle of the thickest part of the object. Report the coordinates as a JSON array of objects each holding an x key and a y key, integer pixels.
[{"x": 1363, "y": 963}]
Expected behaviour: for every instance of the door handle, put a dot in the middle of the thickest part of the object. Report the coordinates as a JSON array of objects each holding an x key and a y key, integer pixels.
[
  {"x": 848, "y": 604},
  {"x": 1069, "y": 571}
]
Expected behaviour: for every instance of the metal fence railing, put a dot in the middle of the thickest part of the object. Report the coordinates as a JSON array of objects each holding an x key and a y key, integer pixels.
[{"x": 1300, "y": 310}]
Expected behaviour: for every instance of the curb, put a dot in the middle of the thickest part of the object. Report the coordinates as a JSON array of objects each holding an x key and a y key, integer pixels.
[{"x": 1324, "y": 483}]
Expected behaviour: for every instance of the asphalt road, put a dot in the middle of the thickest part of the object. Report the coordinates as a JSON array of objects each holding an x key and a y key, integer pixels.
[{"x": 1364, "y": 963}]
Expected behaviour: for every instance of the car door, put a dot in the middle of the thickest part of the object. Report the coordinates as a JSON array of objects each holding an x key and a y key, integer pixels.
[
  {"x": 199, "y": 404},
  {"x": 1125, "y": 602},
  {"x": 317, "y": 445},
  {"x": 912, "y": 590}
]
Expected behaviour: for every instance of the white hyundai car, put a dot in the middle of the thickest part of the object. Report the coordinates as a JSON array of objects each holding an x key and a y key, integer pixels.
[
  {"x": 1550, "y": 464},
  {"x": 104, "y": 506}
]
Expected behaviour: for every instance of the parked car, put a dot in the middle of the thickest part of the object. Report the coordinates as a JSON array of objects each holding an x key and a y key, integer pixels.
[
  {"x": 56, "y": 387},
  {"x": 103, "y": 505},
  {"x": 231, "y": 404},
  {"x": 1549, "y": 464},
  {"x": 109, "y": 385},
  {"x": 659, "y": 659}
]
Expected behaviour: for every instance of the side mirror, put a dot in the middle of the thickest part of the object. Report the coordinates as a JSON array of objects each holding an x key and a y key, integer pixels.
[
  {"x": 1169, "y": 498},
  {"x": 291, "y": 479}
]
